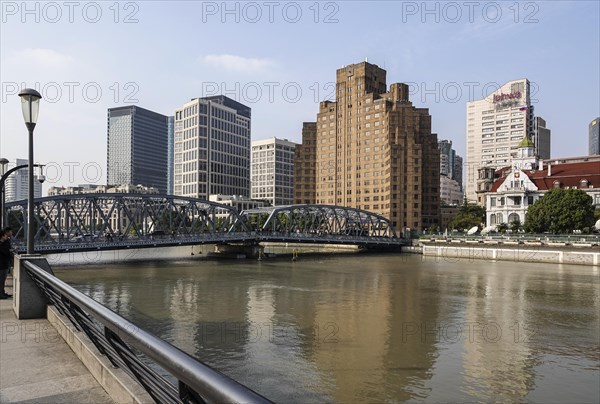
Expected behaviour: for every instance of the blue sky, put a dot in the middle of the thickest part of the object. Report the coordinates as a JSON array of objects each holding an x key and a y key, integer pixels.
[{"x": 280, "y": 58}]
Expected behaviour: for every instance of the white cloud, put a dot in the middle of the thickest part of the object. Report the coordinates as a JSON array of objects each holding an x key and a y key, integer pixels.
[
  {"x": 237, "y": 63},
  {"x": 39, "y": 57}
]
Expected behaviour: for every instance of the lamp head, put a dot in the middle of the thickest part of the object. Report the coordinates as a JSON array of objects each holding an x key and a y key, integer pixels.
[{"x": 30, "y": 105}]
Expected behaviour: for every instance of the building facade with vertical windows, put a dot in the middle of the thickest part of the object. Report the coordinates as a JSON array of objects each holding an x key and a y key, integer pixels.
[
  {"x": 541, "y": 138},
  {"x": 457, "y": 172},
  {"x": 171, "y": 136},
  {"x": 272, "y": 171},
  {"x": 16, "y": 187},
  {"x": 450, "y": 174},
  {"x": 447, "y": 157},
  {"x": 211, "y": 153},
  {"x": 594, "y": 137},
  {"x": 304, "y": 165},
  {"x": 137, "y": 145},
  {"x": 375, "y": 150},
  {"x": 495, "y": 127},
  {"x": 450, "y": 162}
]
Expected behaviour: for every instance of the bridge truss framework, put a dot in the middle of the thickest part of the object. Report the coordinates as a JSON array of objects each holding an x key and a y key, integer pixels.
[{"x": 86, "y": 222}]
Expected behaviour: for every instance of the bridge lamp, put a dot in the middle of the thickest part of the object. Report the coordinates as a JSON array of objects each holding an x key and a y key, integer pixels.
[{"x": 30, "y": 105}]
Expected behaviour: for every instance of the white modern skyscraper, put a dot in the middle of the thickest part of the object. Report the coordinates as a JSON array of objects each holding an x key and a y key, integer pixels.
[
  {"x": 16, "y": 186},
  {"x": 273, "y": 171},
  {"x": 211, "y": 153},
  {"x": 495, "y": 126}
]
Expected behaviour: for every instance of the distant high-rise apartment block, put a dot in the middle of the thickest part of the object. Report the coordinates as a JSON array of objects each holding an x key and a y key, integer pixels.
[
  {"x": 272, "y": 171},
  {"x": 450, "y": 192},
  {"x": 594, "y": 137},
  {"x": 541, "y": 138},
  {"x": 137, "y": 147},
  {"x": 211, "y": 148},
  {"x": 447, "y": 155},
  {"x": 450, "y": 174},
  {"x": 450, "y": 162},
  {"x": 16, "y": 187},
  {"x": 375, "y": 151},
  {"x": 495, "y": 127},
  {"x": 457, "y": 173},
  {"x": 304, "y": 165}
]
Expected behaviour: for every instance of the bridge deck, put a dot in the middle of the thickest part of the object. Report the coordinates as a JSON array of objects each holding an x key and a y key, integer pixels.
[{"x": 215, "y": 238}]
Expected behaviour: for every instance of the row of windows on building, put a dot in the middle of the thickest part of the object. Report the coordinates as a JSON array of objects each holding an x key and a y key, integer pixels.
[{"x": 202, "y": 108}]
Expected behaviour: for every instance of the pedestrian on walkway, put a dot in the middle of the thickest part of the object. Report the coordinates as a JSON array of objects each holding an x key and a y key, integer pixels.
[{"x": 6, "y": 259}]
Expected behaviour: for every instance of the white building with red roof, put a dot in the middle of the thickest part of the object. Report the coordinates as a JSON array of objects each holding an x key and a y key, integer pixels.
[{"x": 513, "y": 189}]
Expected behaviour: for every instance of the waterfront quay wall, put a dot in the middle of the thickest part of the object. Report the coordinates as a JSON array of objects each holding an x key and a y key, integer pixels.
[{"x": 512, "y": 252}]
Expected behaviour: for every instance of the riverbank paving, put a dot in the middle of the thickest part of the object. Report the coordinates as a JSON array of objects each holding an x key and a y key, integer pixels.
[{"x": 37, "y": 365}]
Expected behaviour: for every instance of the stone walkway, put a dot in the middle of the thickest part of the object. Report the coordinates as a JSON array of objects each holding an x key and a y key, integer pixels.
[{"x": 37, "y": 365}]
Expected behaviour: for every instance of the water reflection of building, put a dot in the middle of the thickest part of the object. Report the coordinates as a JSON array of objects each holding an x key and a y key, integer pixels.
[
  {"x": 359, "y": 347},
  {"x": 498, "y": 361},
  {"x": 412, "y": 341}
]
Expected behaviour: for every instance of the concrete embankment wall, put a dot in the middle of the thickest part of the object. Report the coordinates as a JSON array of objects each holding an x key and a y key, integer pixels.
[
  {"x": 515, "y": 253},
  {"x": 120, "y": 387}
]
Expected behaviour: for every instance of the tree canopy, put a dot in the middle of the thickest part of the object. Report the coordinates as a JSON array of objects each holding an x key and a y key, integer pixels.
[
  {"x": 468, "y": 216},
  {"x": 560, "y": 211}
]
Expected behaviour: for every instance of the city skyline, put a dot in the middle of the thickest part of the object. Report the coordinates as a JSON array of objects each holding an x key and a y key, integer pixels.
[{"x": 253, "y": 66}]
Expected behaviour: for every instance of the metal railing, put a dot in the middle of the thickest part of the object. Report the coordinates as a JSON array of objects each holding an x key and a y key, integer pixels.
[
  {"x": 520, "y": 237},
  {"x": 118, "y": 339}
]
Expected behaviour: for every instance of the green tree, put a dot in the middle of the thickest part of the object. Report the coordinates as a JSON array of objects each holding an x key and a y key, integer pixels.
[
  {"x": 515, "y": 226},
  {"x": 468, "y": 216},
  {"x": 502, "y": 227},
  {"x": 560, "y": 211}
]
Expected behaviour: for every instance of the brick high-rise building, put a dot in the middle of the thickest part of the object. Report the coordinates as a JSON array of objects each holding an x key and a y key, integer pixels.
[
  {"x": 375, "y": 150},
  {"x": 305, "y": 158}
]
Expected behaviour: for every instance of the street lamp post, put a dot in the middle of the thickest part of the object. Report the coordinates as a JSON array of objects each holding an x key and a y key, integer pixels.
[
  {"x": 30, "y": 105},
  {"x": 3, "y": 163}
]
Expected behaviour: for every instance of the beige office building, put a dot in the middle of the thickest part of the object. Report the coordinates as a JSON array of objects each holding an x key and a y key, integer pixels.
[
  {"x": 211, "y": 153},
  {"x": 375, "y": 150},
  {"x": 272, "y": 170},
  {"x": 495, "y": 126}
]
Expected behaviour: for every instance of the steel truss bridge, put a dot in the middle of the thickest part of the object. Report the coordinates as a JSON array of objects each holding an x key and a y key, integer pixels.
[{"x": 87, "y": 222}]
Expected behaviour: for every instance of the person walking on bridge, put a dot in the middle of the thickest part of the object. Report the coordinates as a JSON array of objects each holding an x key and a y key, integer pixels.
[{"x": 6, "y": 259}]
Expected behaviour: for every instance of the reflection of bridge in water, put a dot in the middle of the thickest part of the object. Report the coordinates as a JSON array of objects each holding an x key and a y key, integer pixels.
[{"x": 71, "y": 223}]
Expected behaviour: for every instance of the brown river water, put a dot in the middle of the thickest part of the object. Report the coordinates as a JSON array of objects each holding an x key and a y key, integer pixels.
[{"x": 371, "y": 327}]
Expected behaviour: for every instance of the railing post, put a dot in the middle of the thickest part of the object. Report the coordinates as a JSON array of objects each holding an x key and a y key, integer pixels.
[{"x": 29, "y": 301}]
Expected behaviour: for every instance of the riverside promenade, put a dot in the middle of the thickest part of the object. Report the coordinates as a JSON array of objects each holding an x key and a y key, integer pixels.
[
  {"x": 582, "y": 253},
  {"x": 37, "y": 365}
]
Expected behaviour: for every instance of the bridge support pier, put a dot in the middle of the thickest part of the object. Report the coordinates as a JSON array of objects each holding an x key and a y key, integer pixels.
[
  {"x": 29, "y": 301},
  {"x": 234, "y": 250},
  {"x": 384, "y": 248}
]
